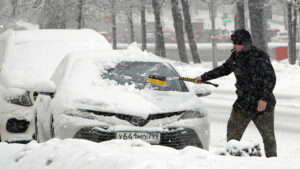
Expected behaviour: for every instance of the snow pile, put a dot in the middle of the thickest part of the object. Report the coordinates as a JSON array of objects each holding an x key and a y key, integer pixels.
[
  {"x": 45, "y": 86},
  {"x": 121, "y": 154},
  {"x": 246, "y": 148},
  {"x": 89, "y": 155}
]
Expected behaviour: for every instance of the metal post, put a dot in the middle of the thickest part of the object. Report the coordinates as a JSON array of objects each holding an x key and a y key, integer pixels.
[{"x": 213, "y": 36}]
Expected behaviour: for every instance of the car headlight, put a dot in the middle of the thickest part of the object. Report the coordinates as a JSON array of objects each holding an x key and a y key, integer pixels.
[
  {"x": 20, "y": 98},
  {"x": 191, "y": 114}
]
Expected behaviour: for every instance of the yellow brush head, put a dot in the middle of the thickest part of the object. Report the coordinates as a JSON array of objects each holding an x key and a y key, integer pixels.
[{"x": 158, "y": 80}]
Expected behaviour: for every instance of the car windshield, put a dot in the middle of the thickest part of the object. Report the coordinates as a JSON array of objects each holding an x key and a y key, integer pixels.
[{"x": 137, "y": 73}]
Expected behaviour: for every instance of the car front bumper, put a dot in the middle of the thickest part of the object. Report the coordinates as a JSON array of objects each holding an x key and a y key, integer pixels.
[
  {"x": 176, "y": 138},
  {"x": 176, "y": 134}
]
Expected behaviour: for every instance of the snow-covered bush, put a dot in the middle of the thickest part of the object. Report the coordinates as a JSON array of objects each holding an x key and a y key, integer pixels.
[{"x": 246, "y": 148}]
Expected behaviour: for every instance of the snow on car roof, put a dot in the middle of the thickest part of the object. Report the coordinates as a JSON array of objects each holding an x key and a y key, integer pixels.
[
  {"x": 106, "y": 58},
  {"x": 30, "y": 56},
  {"x": 132, "y": 53},
  {"x": 50, "y": 34}
]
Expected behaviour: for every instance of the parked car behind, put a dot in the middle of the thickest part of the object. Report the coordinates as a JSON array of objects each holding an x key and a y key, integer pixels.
[
  {"x": 102, "y": 96},
  {"x": 280, "y": 37},
  {"x": 107, "y": 35},
  {"x": 28, "y": 57}
]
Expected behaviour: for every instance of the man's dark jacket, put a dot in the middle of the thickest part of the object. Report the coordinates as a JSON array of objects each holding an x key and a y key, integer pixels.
[{"x": 255, "y": 78}]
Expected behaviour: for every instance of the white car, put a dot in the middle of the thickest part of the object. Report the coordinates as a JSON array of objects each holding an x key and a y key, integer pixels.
[
  {"x": 28, "y": 57},
  {"x": 102, "y": 95}
]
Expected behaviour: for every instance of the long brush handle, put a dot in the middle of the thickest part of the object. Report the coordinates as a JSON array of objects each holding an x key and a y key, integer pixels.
[
  {"x": 192, "y": 80},
  {"x": 186, "y": 79}
]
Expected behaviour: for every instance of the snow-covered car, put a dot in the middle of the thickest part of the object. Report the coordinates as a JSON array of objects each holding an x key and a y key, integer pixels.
[
  {"x": 28, "y": 57},
  {"x": 102, "y": 96}
]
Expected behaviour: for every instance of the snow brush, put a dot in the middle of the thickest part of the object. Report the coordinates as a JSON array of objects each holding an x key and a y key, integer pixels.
[{"x": 161, "y": 80}]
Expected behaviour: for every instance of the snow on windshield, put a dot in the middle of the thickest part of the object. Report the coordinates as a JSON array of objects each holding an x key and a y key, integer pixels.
[{"x": 130, "y": 73}]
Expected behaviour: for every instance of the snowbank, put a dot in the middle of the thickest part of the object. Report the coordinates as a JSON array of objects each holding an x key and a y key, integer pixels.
[{"x": 120, "y": 154}]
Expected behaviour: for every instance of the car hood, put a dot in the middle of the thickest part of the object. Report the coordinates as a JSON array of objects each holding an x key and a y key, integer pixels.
[{"x": 128, "y": 101}]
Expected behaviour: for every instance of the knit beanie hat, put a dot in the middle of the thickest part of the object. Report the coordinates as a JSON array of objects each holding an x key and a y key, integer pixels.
[{"x": 241, "y": 37}]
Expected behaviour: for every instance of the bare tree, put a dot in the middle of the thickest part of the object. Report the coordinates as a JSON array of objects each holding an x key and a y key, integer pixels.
[
  {"x": 14, "y": 4},
  {"x": 5, "y": 15},
  {"x": 257, "y": 23},
  {"x": 159, "y": 35},
  {"x": 240, "y": 14},
  {"x": 178, "y": 25},
  {"x": 292, "y": 60},
  {"x": 189, "y": 31},
  {"x": 292, "y": 25},
  {"x": 129, "y": 7},
  {"x": 130, "y": 21},
  {"x": 143, "y": 25},
  {"x": 108, "y": 10},
  {"x": 59, "y": 14},
  {"x": 212, "y": 13},
  {"x": 145, "y": 5},
  {"x": 80, "y": 14},
  {"x": 52, "y": 14},
  {"x": 114, "y": 25}
]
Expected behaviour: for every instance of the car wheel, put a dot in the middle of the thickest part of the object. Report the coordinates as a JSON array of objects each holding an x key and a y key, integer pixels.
[{"x": 52, "y": 132}]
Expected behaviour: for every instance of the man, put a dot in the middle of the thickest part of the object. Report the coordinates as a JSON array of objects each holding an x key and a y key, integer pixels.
[{"x": 255, "y": 81}]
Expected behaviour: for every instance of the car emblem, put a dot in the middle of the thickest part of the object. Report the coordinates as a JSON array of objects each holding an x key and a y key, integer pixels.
[{"x": 138, "y": 121}]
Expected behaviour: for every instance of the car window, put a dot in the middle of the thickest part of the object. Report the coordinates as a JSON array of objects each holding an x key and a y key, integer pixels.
[{"x": 137, "y": 73}]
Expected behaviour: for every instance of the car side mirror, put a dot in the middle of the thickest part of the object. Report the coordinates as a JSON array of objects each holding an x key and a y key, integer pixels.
[
  {"x": 201, "y": 91},
  {"x": 46, "y": 87}
]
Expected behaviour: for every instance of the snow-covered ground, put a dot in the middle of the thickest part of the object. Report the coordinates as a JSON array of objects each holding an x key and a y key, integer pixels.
[{"x": 81, "y": 154}]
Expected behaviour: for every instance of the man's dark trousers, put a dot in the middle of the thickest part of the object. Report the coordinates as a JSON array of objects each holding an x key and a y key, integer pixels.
[{"x": 239, "y": 121}]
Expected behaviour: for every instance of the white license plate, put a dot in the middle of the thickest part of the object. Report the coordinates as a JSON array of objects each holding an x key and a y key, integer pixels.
[{"x": 153, "y": 138}]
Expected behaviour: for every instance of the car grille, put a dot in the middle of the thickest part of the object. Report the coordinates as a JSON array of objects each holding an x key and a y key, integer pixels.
[
  {"x": 19, "y": 141},
  {"x": 94, "y": 134},
  {"x": 180, "y": 138},
  {"x": 175, "y": 138},
  {"x": 135, "y": 120}
]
